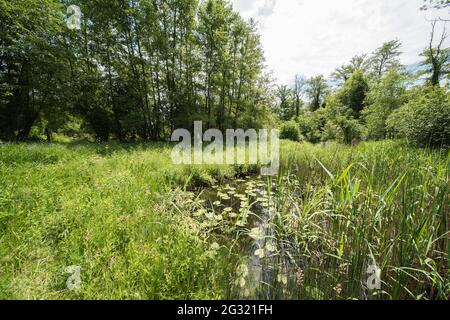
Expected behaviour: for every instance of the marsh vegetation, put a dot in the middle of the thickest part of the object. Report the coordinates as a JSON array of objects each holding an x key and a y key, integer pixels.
[{"x": 142, "y": 228}]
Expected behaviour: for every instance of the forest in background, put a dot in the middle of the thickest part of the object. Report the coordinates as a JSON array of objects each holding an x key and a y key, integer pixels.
[{"x": 137, "y": 70}]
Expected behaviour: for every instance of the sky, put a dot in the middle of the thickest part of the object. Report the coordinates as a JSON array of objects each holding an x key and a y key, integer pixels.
[{"x": 312, "y": 37}]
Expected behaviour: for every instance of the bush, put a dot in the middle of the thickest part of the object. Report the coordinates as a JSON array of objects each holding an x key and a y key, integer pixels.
[
  {"x": 341, "y": 125},
  {"x": 352, "y": 131},
  {"x": 425, "y": 119},
  {"x": 290, "y": 131},
  {"x": 312, "y": 125}
]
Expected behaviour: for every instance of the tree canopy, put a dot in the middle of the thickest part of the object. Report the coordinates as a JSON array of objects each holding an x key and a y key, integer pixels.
[
  {"x": 135, "y": 70},
  {"x": 138, "y": 69}
]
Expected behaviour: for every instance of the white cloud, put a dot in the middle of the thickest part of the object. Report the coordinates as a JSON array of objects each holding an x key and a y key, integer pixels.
[{"x": 316, "y": 36}]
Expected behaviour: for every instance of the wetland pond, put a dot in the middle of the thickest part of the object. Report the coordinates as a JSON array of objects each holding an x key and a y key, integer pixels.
[{"x": 245, "y": 215}]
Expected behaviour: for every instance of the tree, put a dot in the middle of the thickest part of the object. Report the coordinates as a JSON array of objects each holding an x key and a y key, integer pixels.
[
  {"x": 425, "y": 119},
  {"x": 353, "y": 93},
  {"x": 384, "y": 97},
  {"x": 290, "y": 131},
  {"x": 286, "y": 110},
  {"x": 386, "y": 57},
  {"x": 316, "y": 90},
  {"x": 298, "y": 91},
  {"x": 32, "y": 72},
  {"x": 344, "y": 72},
  {"x": 435, "y": 4},
  {"x": 437, "y": 58},
  {"x": 312, "y": 125},
  {"x": 137, "y": 69}
]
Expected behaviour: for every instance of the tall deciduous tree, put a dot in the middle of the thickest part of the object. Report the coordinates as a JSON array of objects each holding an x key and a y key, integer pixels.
[
  {"x": 286, "y": 108},
  {"x": 385, "y": 96},
  {"x": 316, "y": 90},
  {"x": 353, "y": 93},
  {"x": 299, "y": 91},
  {"x": 136, "y": 69},
  {"x": 386, "y": 57},
  {"x": 344, "y": 72},
  {"x": 32, "y": 71},
  {"x": 437, "y": 58}
]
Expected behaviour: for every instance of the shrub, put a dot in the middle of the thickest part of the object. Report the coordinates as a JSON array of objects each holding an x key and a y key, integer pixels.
[
  {"x": 352, "y": 131},
  {"x": 311, "y": 125},
  {"x": 290, "y": 131},
  {"x": 425, "y": 119},
  {"x": 341, "y": 126}
]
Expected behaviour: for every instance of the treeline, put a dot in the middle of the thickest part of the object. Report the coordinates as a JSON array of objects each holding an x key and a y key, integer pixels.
[
  {"x": 374, "y": 97},
  {"x": 136, "y": 69}
]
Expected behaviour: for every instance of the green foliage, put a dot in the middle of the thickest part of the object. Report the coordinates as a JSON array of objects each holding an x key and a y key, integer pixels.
[
  {"x": 386, "y": 57},
  {"x": 138, "y": 69},
  {"x": 354, "y": 199},
  {"x": 435, "y": 4},
  {"x": 135, "y": 69},
  {"x": 286, "y": 107},
  {"x": 290, "y": 131},
  {"x": 340, "y": 124},
  {"x": 311, "y": 125},
  {"x": 120, "y": 213},
  {"x": 316, "y": 90},
  {"x": 33, "y": 74},
  {"x": 437, "y": 58},
  {"x": 385, "y": 95},
  {"x": 353, "y": 92},
  {"x": 358, "y": 62},
  {"x": 298, "y": 92},
  {"x": 425, "y": 119},
  {"x": 344, "y": 130}
]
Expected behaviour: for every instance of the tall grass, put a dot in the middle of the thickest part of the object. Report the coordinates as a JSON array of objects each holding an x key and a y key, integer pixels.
[
  {"x": 342, "y": 209},
  {"x": 118, "y": 212},
  {"x": 136, "y": 226}
]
